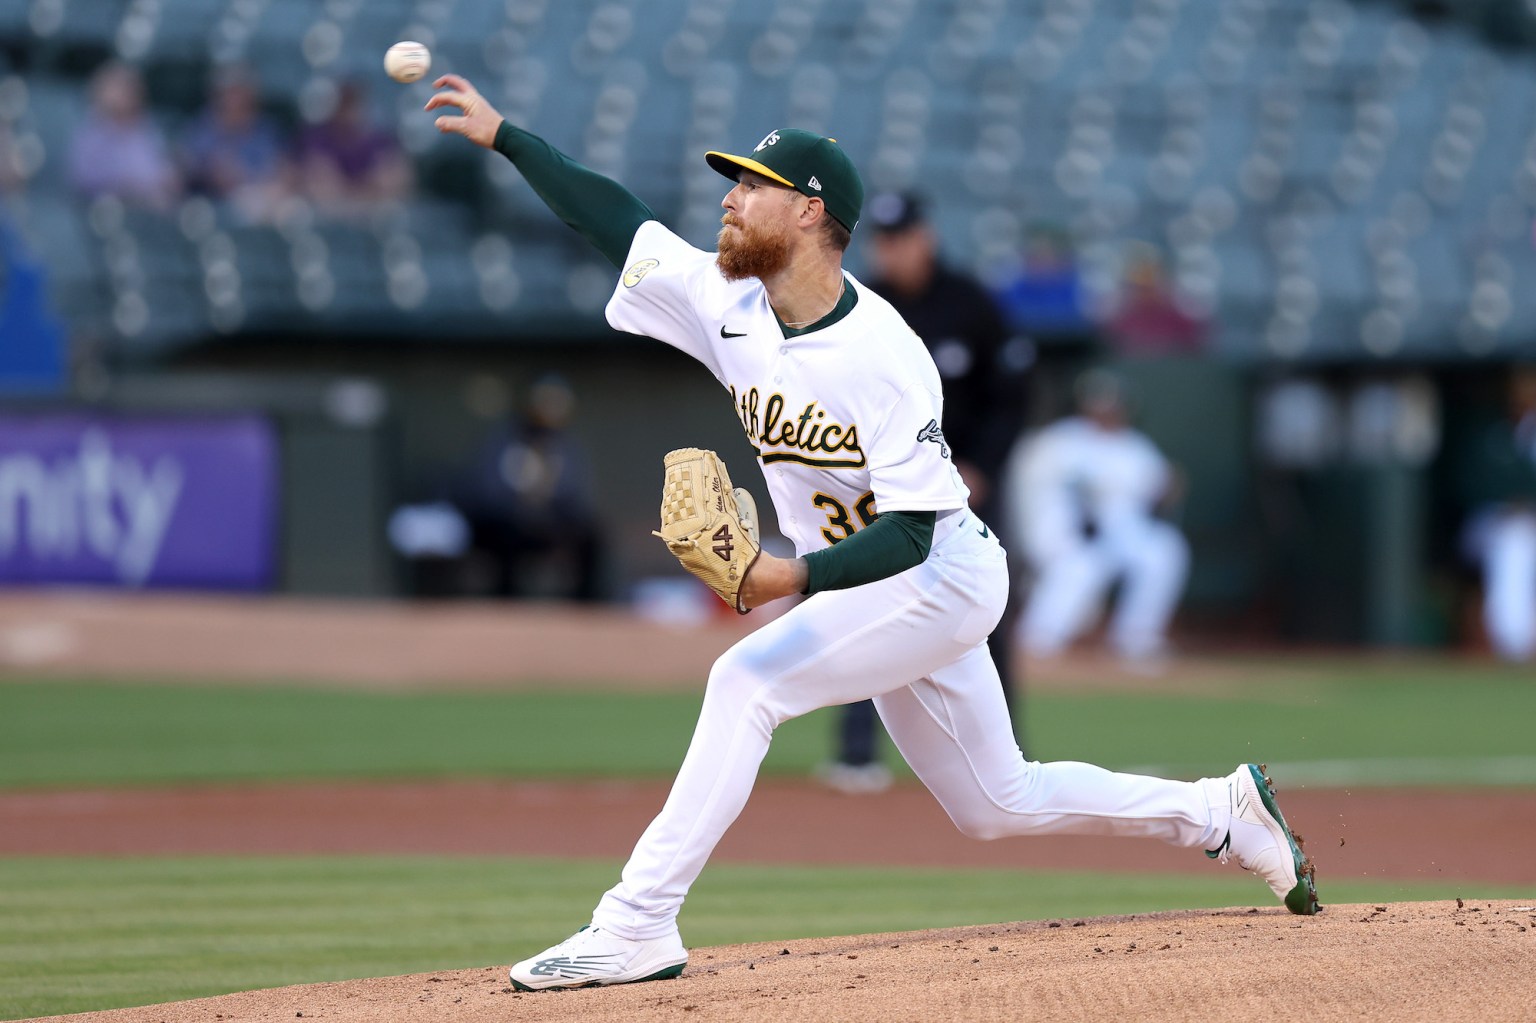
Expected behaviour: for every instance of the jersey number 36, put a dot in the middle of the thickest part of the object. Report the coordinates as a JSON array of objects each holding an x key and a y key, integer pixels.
[{"x": 839, "y": 526}]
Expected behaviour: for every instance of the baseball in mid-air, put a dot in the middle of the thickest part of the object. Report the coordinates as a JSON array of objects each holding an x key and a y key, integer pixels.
[{"x": 407, "y": 61}]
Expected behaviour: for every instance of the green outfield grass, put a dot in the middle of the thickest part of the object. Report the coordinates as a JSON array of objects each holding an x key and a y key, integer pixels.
[
  {"x": 80, "y": 934},
  {"x": 1430, "y": 723},
  {"x": 84, "y": 934}
]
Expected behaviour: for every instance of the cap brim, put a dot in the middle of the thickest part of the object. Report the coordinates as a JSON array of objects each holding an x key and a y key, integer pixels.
[{"x": 732, "y": 166}]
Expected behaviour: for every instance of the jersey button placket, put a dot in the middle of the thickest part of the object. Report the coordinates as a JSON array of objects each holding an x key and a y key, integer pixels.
[{"x": 778, "y": 378}]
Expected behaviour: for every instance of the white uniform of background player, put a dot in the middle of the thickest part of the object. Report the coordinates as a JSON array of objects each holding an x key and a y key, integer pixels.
[
  {"x": 1500, "y": 536},
  {"x": 846, "y": 417},
  {"x": 1095, "y": 469}
]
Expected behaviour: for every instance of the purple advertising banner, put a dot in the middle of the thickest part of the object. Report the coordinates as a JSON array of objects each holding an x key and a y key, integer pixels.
[{"x": 187, "y": 502}]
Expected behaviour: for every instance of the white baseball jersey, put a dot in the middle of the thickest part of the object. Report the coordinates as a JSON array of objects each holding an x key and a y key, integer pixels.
[
  {"x": 846, "y": 420},
  {"x": 1124, "y": 475}
]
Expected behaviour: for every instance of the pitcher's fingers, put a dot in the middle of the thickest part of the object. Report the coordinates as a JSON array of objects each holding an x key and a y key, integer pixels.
[
  {"x": 458, "y": 82},
  {"x": 453, "y": 125},
  {"x": 444, "y": 99}
]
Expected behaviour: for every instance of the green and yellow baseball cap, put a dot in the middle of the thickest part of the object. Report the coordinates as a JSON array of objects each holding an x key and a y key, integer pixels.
[{"x": 807, "y": 162}]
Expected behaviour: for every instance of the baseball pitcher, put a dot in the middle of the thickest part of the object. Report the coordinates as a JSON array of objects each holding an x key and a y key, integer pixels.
[{"x": 843, "y": 405}]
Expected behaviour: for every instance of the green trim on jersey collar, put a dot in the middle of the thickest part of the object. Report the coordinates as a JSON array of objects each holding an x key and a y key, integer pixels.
[{"x": 845, "y": 304}]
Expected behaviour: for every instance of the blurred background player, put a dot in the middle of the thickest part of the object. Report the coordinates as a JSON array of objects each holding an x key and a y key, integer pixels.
[
  {"x": 518, "y": 519},
  {"x": 984, "y": 390},
  {"x": 528, "y": 500},
  {"x": 1497, "y": 483},
  {"x": 1089, "y": 494}
]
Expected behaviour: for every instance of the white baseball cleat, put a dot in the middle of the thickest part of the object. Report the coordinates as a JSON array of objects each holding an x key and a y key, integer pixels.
[
  {"x": 1261, "y": 841},
  {"x": 593, "y": 957}
]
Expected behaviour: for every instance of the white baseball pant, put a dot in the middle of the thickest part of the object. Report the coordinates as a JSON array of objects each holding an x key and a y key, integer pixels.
[
  {"x": 1509, "y": 584},
  {"x": 916, "y": 644},
  {"x": 1152, "y": 560}
]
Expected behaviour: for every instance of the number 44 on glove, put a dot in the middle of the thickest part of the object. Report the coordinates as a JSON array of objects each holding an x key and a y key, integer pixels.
[{"x": 709, "y": 526}]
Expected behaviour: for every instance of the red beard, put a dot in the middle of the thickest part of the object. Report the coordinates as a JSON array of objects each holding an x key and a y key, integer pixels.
[{"x": 750, "y": 251}]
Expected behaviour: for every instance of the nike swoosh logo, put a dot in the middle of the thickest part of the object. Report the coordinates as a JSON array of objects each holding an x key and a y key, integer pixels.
[
  {"x": 726, "y": 333},
  {"x": 983, "y": 532}
]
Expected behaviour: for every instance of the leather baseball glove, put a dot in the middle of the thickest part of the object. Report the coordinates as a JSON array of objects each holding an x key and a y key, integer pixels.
[{"x": 709, "y": 526}]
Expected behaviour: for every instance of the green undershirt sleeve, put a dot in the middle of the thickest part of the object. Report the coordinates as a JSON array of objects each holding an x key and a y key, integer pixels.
[
  {"x": 894, "y": 542},
  {"x": 600, "y": 209}
]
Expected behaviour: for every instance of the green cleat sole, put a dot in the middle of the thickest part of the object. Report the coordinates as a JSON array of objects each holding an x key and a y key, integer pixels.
[
  {"x": 1302, "y": 899},
  {"x": 669, "y": 973}
]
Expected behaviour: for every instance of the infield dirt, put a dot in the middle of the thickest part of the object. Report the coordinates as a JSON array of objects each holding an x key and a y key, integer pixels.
[{"x": 1396, "y": 962}]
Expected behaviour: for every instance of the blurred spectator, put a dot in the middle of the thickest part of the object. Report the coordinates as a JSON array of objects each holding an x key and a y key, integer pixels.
[
  {"x": 1089, "y": 490},
  {"x": 13, "y": 169},
  {"x": 232, "y": 153},
  {"x": 346, "y": 163},
  {"x": 1496, "y": 480},
  {"x": 31, "y": 338},
  {"x": 1148, "y": 319},
  {"x": 117, "y": 150},
  {"x": 1045, "y": 296},
  {"x": 528, "y": 500},
  {"x": 984, "y": 388}
]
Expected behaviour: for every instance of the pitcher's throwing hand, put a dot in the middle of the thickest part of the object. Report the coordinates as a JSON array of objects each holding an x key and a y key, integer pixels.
[{"x": 477, "y": 120}]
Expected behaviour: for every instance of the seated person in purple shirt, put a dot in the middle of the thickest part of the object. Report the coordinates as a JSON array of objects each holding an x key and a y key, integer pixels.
[
  {"x": 346, "y": 162},
  {"x": 117, "y": 150}
]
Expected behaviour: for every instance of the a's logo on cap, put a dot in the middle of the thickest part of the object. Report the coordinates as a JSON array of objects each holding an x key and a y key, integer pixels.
[
  {"x": 814, "y": 183},
  {"x": 636, "y": 273},
  {"x": 771, "y": 140}
]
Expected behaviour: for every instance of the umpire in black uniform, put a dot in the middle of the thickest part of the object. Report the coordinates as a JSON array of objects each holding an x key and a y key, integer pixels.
[{"x": 984, "y": 373}]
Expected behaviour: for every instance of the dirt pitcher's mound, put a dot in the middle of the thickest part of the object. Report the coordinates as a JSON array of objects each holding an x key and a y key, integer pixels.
[{"x": 1406, "y": 961}]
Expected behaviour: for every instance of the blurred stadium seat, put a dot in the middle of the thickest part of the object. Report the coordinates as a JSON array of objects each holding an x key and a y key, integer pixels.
[{"x": 1368, "y": 166}]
